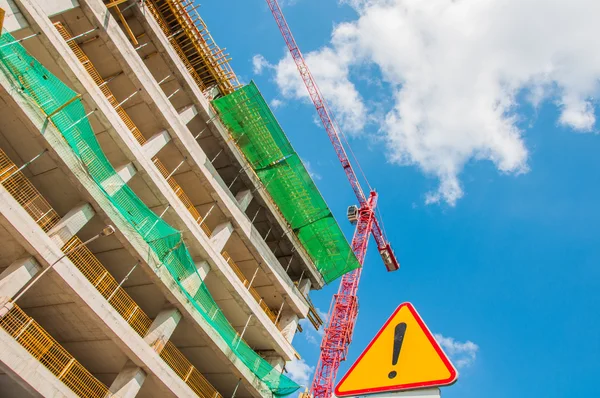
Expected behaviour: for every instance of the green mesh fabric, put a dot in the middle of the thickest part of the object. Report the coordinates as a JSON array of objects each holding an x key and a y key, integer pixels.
[
  {"x": 51, "y": 95},
  {"x": 267, "y": 149}
]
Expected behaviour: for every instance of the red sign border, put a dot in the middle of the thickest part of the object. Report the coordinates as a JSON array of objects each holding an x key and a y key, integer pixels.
[{"x": 402, "y": 387}]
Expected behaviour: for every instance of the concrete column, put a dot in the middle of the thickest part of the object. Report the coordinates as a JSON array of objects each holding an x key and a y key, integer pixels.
[
  {"x": 221, "y": 235},
  {"x": 17, "y": 275},
  {"x": 156, "y": 143},
  {"x": 193, "y": 282},
  {"x": 304, "y": 286},
  {"x": 288, "y": 323},
  {"x": 188, "y": 113},
  {"x": 128, "y": 382},
  {"x": 115, "y": 182},
  {"x": 162, "y": 328},
  {"x": 244, "y": 198},
  {"x": 71, "y": 223},
  {"x": 126, "y": 172},
  {"x": 275, "y": 360}
]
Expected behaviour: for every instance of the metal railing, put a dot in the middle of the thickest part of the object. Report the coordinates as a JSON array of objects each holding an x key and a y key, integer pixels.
[
  {"x": 26, "y": 194},
  {"x": 107, "y": 286},
  {"x": 187, "y": 372},
  {"x": 261, "y": 302},
  {"x": 104, "y": 282},
  {"x": 183, "y": 197},
  {"x": 31, "y": 336},
  {"x": 100, "y": 82},
  {"x": 93, "y": 72}
]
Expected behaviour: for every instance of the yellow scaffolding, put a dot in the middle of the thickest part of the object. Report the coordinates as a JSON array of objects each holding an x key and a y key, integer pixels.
[{"x": 206, "y": 62}]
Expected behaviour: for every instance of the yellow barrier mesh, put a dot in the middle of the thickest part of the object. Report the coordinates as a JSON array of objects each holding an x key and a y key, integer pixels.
[
  {"x": 183, "y": 197},
  {"x": 187, "y": 372},
  {"x": 26, "y": 194},
  {"x": 104, "y": 282},
  {"x": 66, "y": 111},
  {"x": 52, "y": 355},
  {"x": 93, "y": 72}
]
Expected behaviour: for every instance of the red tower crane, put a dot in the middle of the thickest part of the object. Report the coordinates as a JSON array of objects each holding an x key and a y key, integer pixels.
[{"x": 344, "y": 307}]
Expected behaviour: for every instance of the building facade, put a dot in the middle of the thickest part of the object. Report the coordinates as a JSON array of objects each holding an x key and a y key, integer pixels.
[{"x": 125, "y": 115}]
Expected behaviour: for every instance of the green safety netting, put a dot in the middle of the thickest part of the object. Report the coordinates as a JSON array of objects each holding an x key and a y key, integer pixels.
[
  {"x": 267, "y": 149},
  {"x": 67, "y": 113}
]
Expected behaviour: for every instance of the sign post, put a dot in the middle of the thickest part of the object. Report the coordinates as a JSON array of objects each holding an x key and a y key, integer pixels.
[
  {"x": 428, "y": 393},
  {"x": 403, "y": 356}
]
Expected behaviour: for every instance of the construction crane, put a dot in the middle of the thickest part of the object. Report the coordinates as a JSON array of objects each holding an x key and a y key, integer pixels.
[{"x": 344, "y": 307}]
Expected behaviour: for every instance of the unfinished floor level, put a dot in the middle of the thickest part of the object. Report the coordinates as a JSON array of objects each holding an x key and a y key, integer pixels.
[{"x": 147, "y": 250}]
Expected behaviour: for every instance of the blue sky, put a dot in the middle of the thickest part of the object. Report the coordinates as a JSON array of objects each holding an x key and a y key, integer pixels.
[{"x": 510, "y": 263}]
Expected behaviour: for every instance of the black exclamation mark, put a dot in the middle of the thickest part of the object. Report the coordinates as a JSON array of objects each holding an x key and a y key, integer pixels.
[{"x": 399, "y": 333}]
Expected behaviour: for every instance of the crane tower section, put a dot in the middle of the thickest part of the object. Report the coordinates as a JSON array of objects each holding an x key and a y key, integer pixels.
[{"x": 344, "y": 307}]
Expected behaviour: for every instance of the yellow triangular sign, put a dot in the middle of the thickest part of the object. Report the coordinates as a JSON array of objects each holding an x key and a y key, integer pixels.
[{"x": 403, "y": 356}]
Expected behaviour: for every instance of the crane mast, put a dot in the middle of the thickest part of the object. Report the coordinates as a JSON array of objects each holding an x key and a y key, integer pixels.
[{"x": 344, "y": 306}]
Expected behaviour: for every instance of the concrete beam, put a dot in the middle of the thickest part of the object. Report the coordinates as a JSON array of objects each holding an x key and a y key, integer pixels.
[
  {"x": 156, "y": 143},
  {"x": 221, "y": 235},
  {"x": 71, "y": 223},
  {"x": 162, "y": 328},
  {"x": 244, "y": 198},
  {"x": 17, "y": 275},
  {"x": 288, "y": 323},
  {"x": 193, "y": 282},
  {"x": 128, "y": 382},
  {"x": 187, "y": 114}
]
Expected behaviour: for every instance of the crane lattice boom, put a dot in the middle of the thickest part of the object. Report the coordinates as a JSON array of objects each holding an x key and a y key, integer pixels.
[{"x": 344, "y": 307}]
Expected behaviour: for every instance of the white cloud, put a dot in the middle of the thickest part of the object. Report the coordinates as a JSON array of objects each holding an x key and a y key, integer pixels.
[
  {"x": 331, "y": 72},
  {"x": 325, "y": 317},
  {"x": 454, "y": 70},
  {"x": 259, "y": 63},
  {"x": 311, "y": 335},
  {"x": 299, "y": 371},
  {"x": 276, "y": 103},
  {"x": 461, "y": 354}
]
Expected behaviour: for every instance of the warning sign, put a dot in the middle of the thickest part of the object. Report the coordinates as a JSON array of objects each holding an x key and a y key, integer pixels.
[{"x": 403, "y": 355}]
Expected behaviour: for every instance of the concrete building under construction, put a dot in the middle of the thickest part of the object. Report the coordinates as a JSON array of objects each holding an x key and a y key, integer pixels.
[{"x": 159, "y": 234}]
